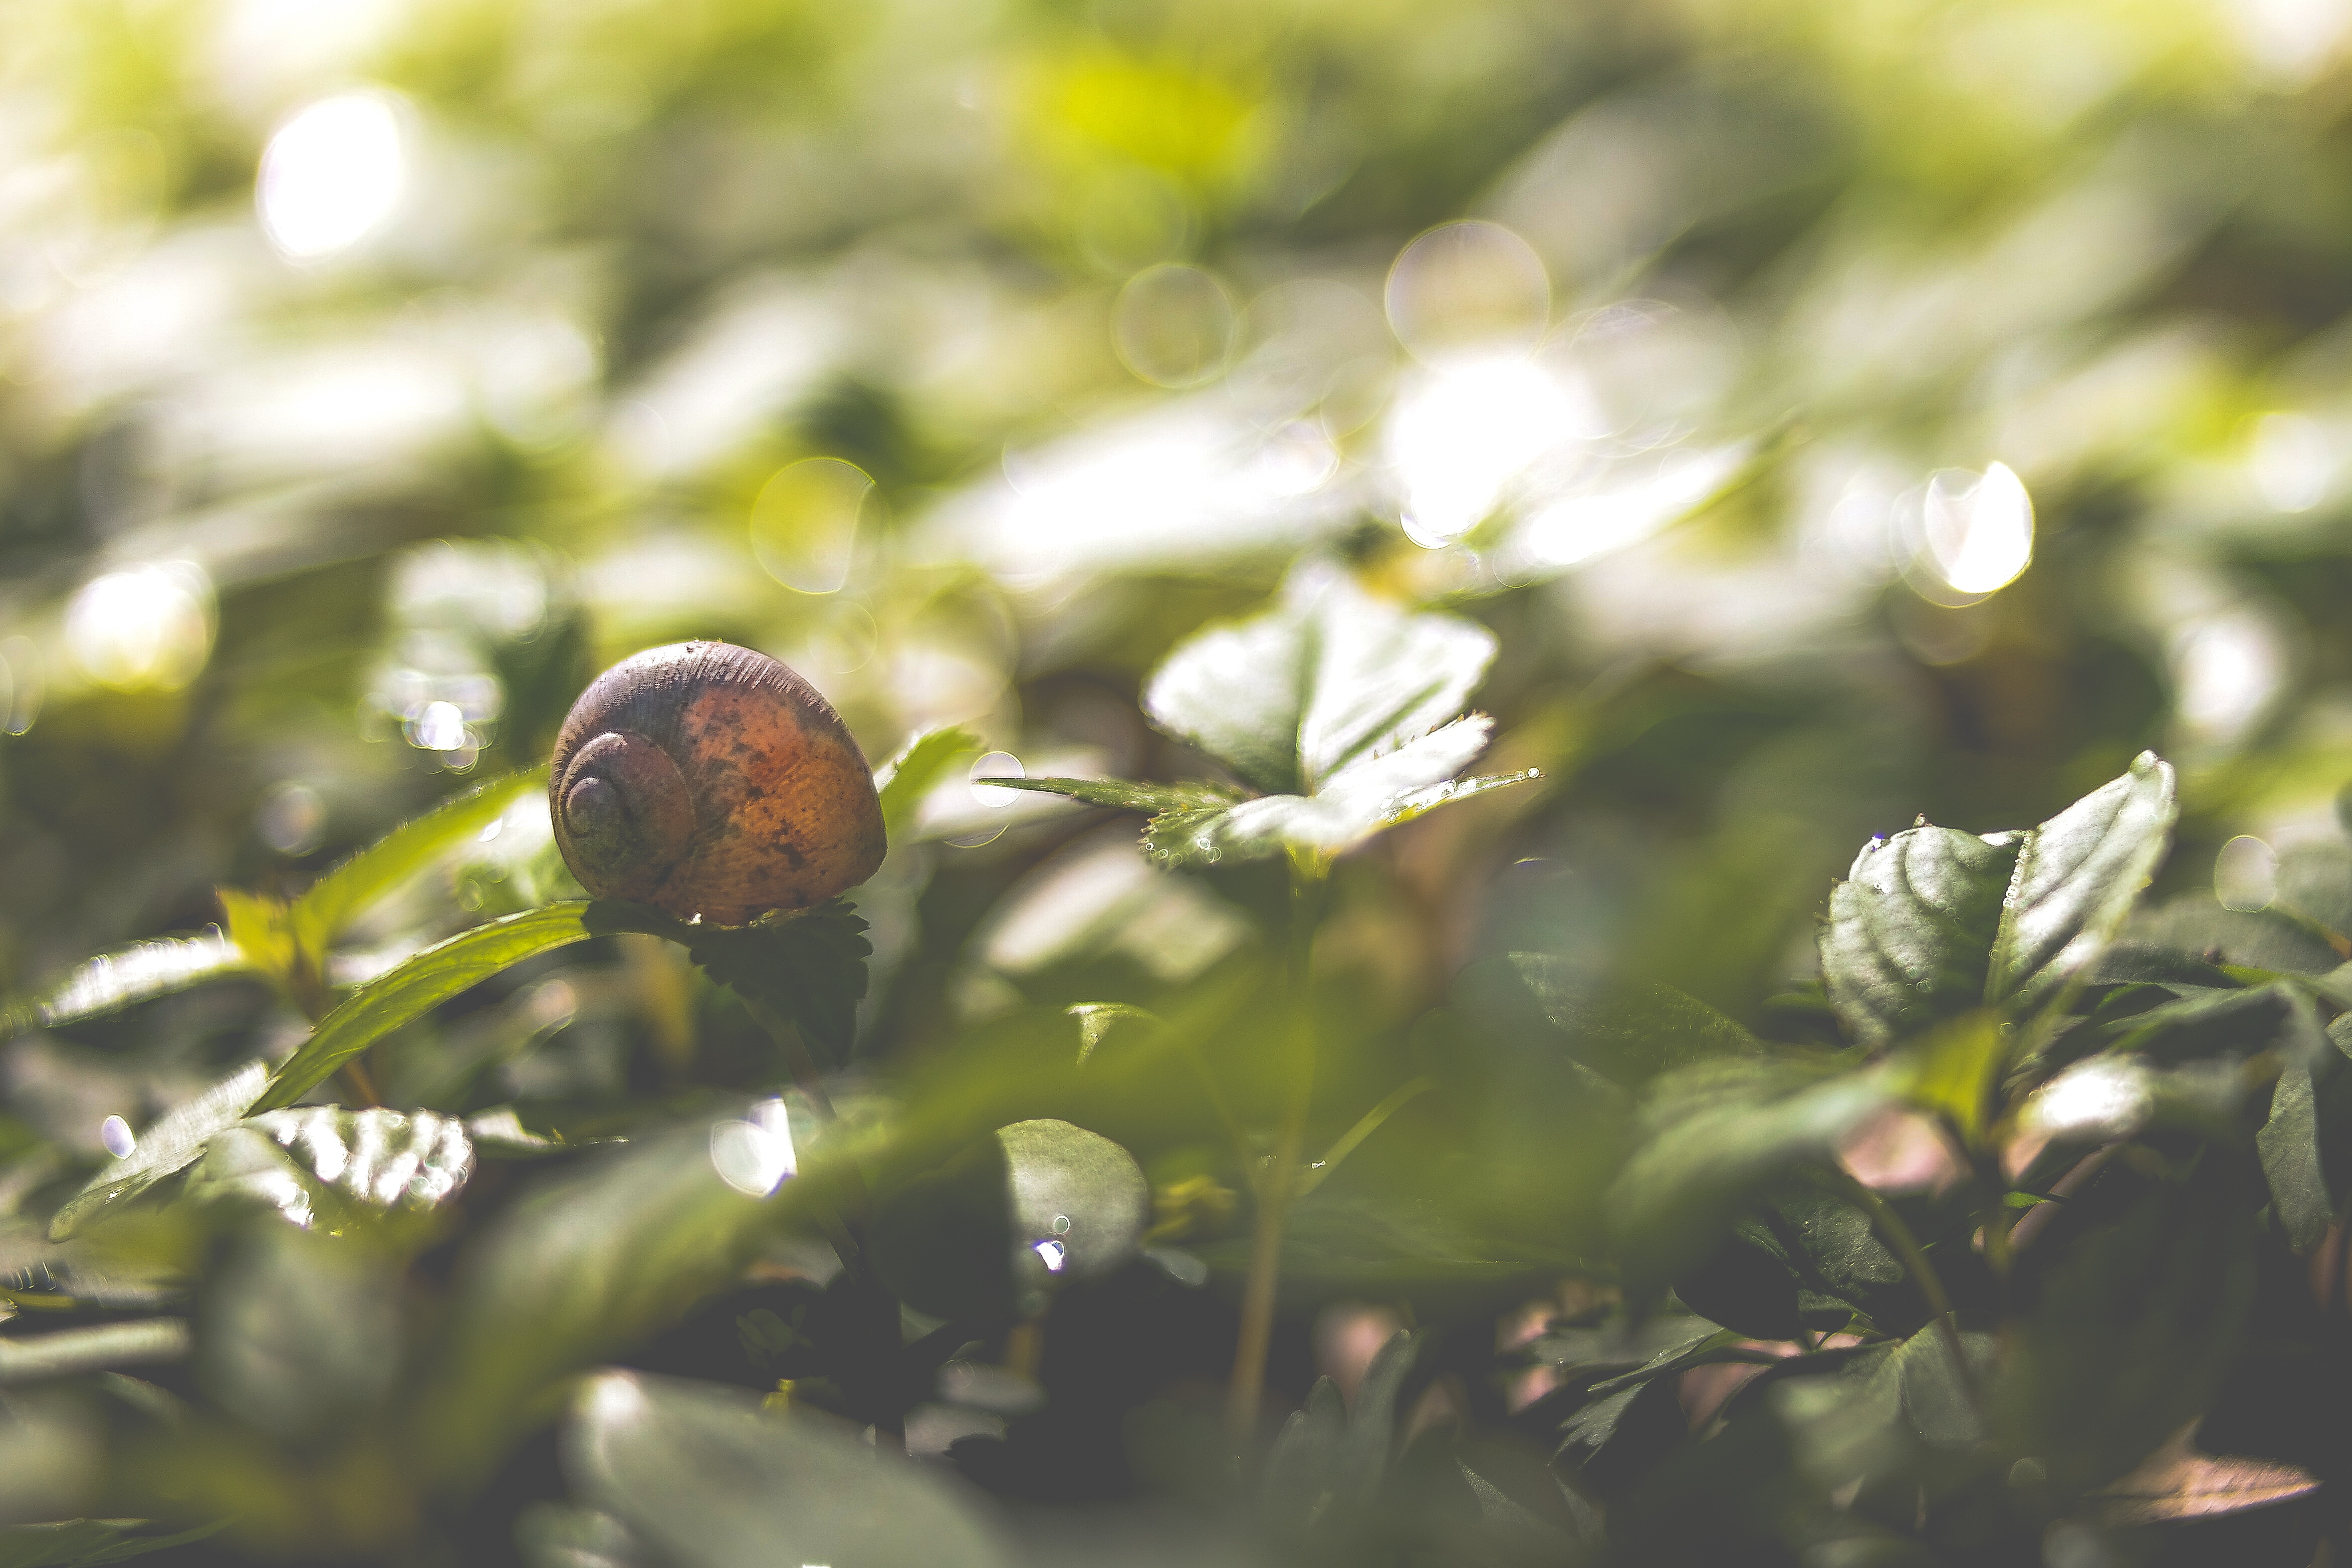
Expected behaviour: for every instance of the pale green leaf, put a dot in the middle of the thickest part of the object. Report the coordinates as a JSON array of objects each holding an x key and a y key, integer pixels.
[
  {"x": 709, "y": 1480},
  {"x": 2077, "y": 876},
  {"x": 172, "y": 1142},
  {"x": 920, "y": 765},
  {"x": 1955, "y": 1072},
  {"x": 99, "y": 1347},
  {"x": 310, "y": 1162},
  {"x": 1331, "y": 676},
  {"x": 119, "y": 979},
  {"x": 340, "y": 897}
]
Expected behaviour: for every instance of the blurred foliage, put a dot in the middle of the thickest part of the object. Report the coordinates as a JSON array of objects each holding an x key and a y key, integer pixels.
[{"x": 1750, "y": 430}]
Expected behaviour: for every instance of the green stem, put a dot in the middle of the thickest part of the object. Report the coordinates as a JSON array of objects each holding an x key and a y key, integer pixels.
[
  {"x": 1315, "y": 1176},
  {"x": 1281, "y": 1183}
]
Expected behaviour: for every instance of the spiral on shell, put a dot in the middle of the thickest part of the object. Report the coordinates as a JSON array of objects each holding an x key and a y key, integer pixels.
[{"x": 705, "y": 778}]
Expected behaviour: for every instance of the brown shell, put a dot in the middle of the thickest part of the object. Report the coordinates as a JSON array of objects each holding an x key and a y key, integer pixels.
[{"x": 705, "y": 778}]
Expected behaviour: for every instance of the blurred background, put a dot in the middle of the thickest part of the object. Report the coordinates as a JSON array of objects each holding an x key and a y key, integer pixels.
[{"x": 1841, "y": 411}]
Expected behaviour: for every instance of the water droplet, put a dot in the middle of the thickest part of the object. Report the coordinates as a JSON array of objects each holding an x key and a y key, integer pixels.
[
  {"x": 115, "y": 1133},
  {"x": 1061, "y": 1225}
]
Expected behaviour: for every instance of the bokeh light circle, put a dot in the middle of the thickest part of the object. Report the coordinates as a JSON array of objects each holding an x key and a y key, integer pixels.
[
  {"x": 1468, "y": 285},
  {"x": 332, "y": 173},
  {"x": 804, "y": 523},
  {"x": 1175, "y": 326}
]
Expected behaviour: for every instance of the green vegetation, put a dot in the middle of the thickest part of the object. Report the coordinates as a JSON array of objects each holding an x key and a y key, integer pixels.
[{"x": 1395, "y": 552}]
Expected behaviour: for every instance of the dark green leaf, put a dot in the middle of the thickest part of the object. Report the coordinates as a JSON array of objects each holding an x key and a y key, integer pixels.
[
  {"x": 920, "y": 765},
  {"x": 1935, "y": 1387},
  {"x": 710, "y": 1480},
  {"x": 1079, "y": 1201},
  {"x": 2133, "y": 1327},
  {"x": 2195, "y": 922},
  {"x": 2302, "y": 1195},
  {"x": 2315, "y": 881},
  {"x": 2127, "y": 962},
  {"x": 594, "y": 1260},
  {"x": 1717, "y": 1135},
  {"x": 2077, "y": 876},
  {"x": 1629, "y": 1033},
  {"x": 1911, "y": 930},
  {"x": 177, "y": 1137},
  {"x": 134, "y": 973},
  {"x": 809, "y": 968},
  {"x": 415, "y": 987},
  {"x": 1374, "y": 1433}
]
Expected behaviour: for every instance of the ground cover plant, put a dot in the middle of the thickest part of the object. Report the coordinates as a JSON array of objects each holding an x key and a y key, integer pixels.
[
  {"x": 320, "y": 1317},
  {"x": 1090, "y": 780}
]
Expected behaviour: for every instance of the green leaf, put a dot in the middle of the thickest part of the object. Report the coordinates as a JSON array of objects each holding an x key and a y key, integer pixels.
[
  {"x": 262, "y": 929},
  {"x": 1628, "y": 1033},
  {"x": 1803, "y": 1259},
  {"x": 2132, "y": 1329},
  {"x": 2304, "y": 1197},
  {"x": 984, "y": 1233},
  {"x": 177, "y": 1137},
  {"x": 78, "y": 1542},
  {"x": 338, "y": 898},
  {"x": 1933, "y": 923},
  {"x": 1911, "y": 930},
  {"x": 1954, "y": 1073},
  {"x": 920, "y": 766},
  {"x": 1098, "y": 1021},
  {"x": 2077, "y": 876},
  {"x": 596, "y": 1259},
  {"x": 1934, "y": 1387},
  {"x": 2195, "y": 922},
  {"x": 808, "y": 967},
  {"x": 410, "y": 989},
  {"x": 70, "y": 1353},
  {"x": 1344, "y": 708},
  {"x": 709, "y": 1480},
  {"x": 1716, "y": 1136},
  {"x": 119, "y": 980},
  {"x": 2315, "y": 881},
  {"x": 318, "y": 1164},
  {"x": 1329, "y": 1455},
  {"x": 1331, "y": 677}
]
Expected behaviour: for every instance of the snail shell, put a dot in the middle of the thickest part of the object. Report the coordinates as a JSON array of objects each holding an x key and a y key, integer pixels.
[{"x": 709, "y": 780}]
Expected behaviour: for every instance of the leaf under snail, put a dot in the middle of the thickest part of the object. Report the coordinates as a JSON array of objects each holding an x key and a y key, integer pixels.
[{"x": 708, "y": 779}]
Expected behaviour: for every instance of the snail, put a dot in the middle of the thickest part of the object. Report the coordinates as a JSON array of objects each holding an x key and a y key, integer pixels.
[{"x": 708, "y": 779}]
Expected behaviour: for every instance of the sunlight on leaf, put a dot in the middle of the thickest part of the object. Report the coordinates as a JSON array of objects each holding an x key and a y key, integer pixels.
[
  {"x": 923, "y": 763},
  {"x": 176, "y": 1139},
  {"x": 712, "y": 1480},
  {"x": 135, "y": 974},
  {"x": 415, "y": 988},
  {"x": 2077, "y": 876},
  {"x": 1955, "y": 1072}
]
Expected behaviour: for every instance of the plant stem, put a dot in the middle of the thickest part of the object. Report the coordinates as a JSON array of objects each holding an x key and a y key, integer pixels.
[
  {"x": 1366, "y": 1126},
  {"x": 1280, "y": 1185}
]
